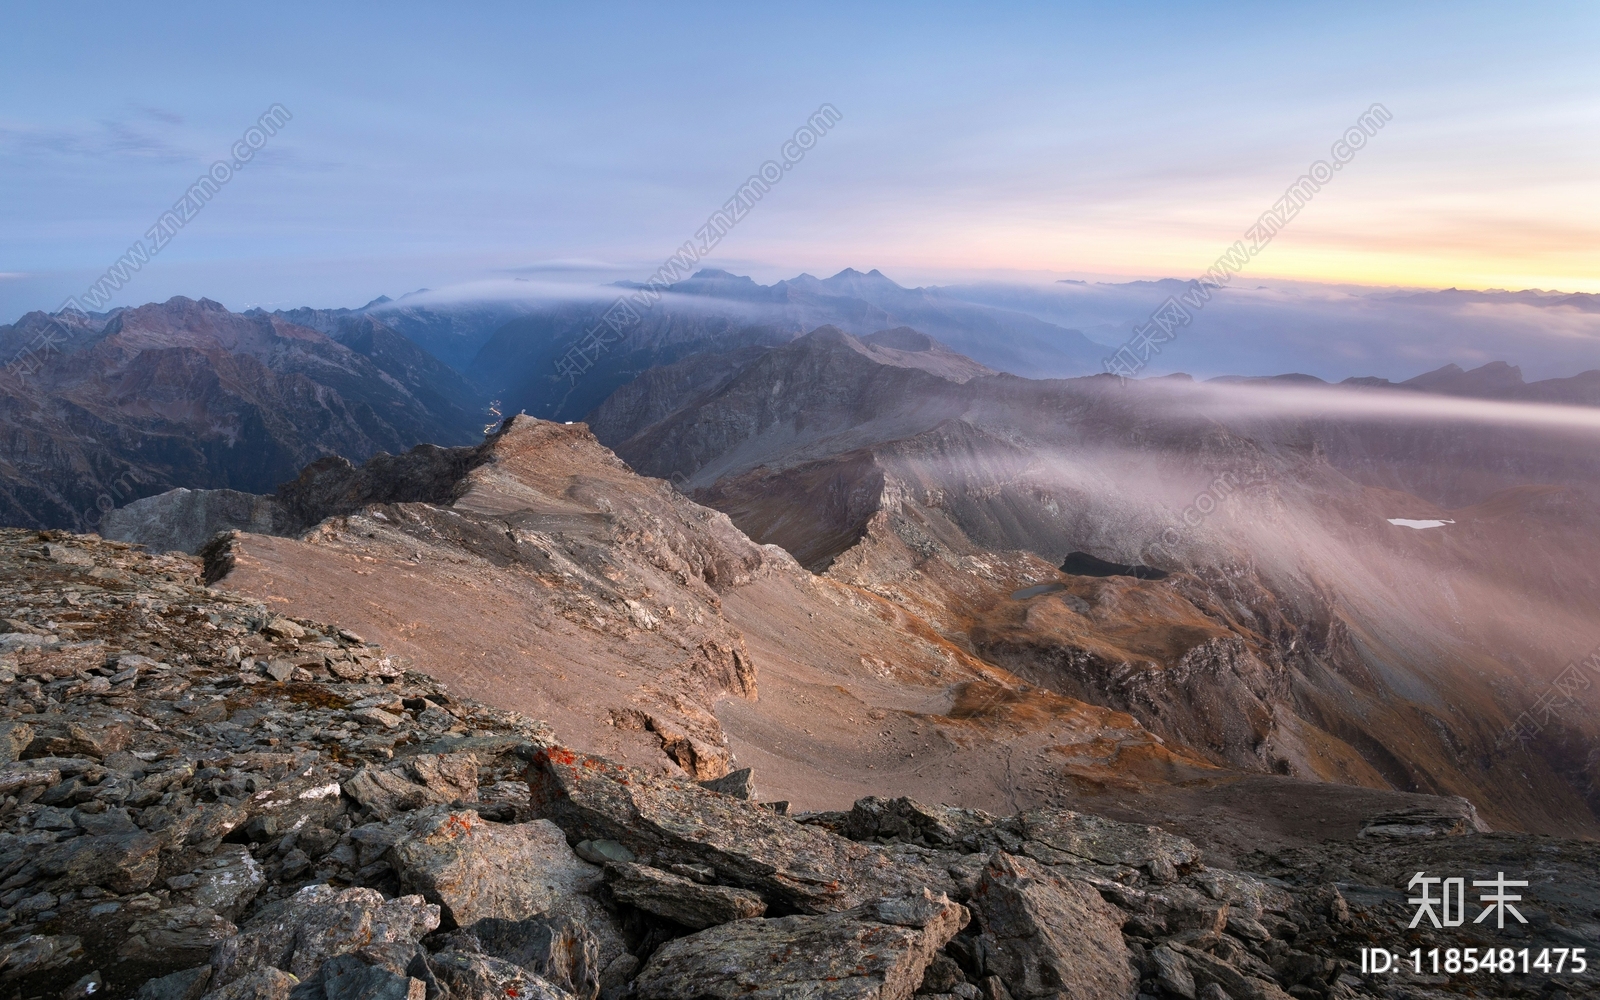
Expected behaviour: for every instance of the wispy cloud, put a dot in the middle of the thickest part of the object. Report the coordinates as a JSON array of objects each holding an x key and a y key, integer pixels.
[
  {"x": 1332, "y": 331},
  {"x": 139, "y": 132},
  {"x": 569, "y": 265},
  {"x": 1233, "y": 402}
]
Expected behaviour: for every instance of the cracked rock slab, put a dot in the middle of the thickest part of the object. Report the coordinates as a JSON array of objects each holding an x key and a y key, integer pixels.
[
  {"x": 1047, "y": 936},
  {"x": 298, "y": 934},
  {"x": 470, "y": 976},
  {"x": 1095, "y": 838},
  {"x": 670, "y": 821},
  {"x": 879, "y": 950},
  {"x": 562, "y": 950},
  {"x": 683, "y": 900},
  {"x": 476, "y": 870}
]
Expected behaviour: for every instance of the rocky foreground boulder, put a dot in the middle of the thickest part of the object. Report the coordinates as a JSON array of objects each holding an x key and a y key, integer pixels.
[{"x": 203, "y": 800}]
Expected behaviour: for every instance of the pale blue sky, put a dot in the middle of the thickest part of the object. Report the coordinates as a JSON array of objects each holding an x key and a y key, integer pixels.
[{"x": 435, "y": 145}]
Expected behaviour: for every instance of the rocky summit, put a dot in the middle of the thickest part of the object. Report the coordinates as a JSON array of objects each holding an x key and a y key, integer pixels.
[{"x": 206, "y": 799}]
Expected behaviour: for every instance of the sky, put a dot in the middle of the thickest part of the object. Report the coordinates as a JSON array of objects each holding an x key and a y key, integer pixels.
[{"x": 432, "y": 145}]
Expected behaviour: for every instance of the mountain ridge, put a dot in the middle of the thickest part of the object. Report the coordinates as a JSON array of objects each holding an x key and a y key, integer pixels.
[
  {"x": 187, "y": 393},
  {"x": 894, "y": 480}
]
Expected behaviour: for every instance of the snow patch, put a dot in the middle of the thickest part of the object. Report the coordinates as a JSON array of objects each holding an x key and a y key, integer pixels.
[{"x": 1407, "y": 522}]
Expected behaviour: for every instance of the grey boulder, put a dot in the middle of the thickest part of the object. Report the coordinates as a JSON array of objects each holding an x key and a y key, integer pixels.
[
  {"x": 189, "y": 984},
  {"x": 1049, "y": 936},
  {"x": 262, "y": 984},
  {"x": 740, "y": 784},
  {"x": 879, "y": 950},
  {"x": 474, "y": 869},
  {"x": 296, "y": 935},
  {"x": 347, "y": 977},
  {"x": 668, "y": 821},
  {"x": 682, "y": 900},
  {"x": 472, "y": 976},
  {"x": 559, "y": 949},
  {"x": 1108, "y": 842}
]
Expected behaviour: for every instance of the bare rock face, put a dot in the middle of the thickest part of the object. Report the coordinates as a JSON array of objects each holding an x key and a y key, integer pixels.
[
  {"x": 452, "y": 776},
  {"x": 670, "y": 821},
  {"x": 700, "y": 760},
  {"x": 470, "y": 976},
  {"x": 14, "y": 739},
  {"x": 187, "y": 984},
  {"x": 298, "y": 934},
  {"x": 879, "y": 950},
  {"x": 1448, "y": 817},
  {"x": 907, "y": 819},
  {"x": 740, "y": 784},
  {"x": 682, "y": 900},
  {"x": 384, "y": 792},
  {"x": 350, "y": 977},
  {"x": 560, "y": 949},
  {"x": 1095, "y": 838},
  {"x": 126, "y": 862},
  {"x": 184, "y": 520},
  {"x": 39, "y": 953},
  {"x": 1050, "y": 937},
  {"x": 177, "y": 934},
  {"x": 1214, "y": 975},
  {"x": 262, "y": 984},
  {"x": 475, "y": 870}
]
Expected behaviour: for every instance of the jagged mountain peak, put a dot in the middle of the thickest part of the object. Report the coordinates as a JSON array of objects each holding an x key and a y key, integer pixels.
[
  {"x": 1494, "y": 376},
  {"x": 717, "y": 282}
]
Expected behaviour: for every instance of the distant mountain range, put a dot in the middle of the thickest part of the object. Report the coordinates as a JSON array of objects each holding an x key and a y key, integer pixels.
[
  {"x": 185, "y": 393},
  {"x": 1301, "y": 625},
  {"x": 1299, "y": 628},
  {"x": 453, "y": 333},
  {"x": 1496, "y": 380},
  {"x": 716, "y": 311},
  {"x": 1307, "y": 601},
  {"x": 96, "y": 411}
]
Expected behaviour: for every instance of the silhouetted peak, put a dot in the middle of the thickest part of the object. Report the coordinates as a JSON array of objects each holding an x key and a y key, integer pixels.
[{"x": 1496, "y": 375}]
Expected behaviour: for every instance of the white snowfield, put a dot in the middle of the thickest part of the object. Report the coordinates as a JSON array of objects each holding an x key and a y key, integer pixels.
[{"x": 1413, "y": 523}]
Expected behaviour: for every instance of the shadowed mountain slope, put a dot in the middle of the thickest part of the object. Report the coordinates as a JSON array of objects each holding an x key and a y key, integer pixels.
[
  {"x": 186, "y": 393},
  {"x": 714, "y": 311},
  {"x": 1299, "y": 629},
  {"x": 541, "y": 572}
]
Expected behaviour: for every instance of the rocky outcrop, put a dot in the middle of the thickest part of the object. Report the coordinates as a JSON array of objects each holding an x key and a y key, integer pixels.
[
  {"x": 673, "y": 821},
  {"x": 182, "y": 823},
  {"x": 879, "y": 950},
  {"x": 682, "y": 900},
  {"x": 476, "y": 870},
  {"x": 1050, "y": 937},
  {"x": 1093, "y": 838},
  {"x": 298, "y": 934},
  {"x": 186, "y": 520},
  {"x": 562, "y": 950},
  {"x": 183, "y": 520}
]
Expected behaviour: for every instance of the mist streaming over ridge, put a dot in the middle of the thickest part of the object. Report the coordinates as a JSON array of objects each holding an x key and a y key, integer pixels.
[{"x": 828, "y": 501}]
